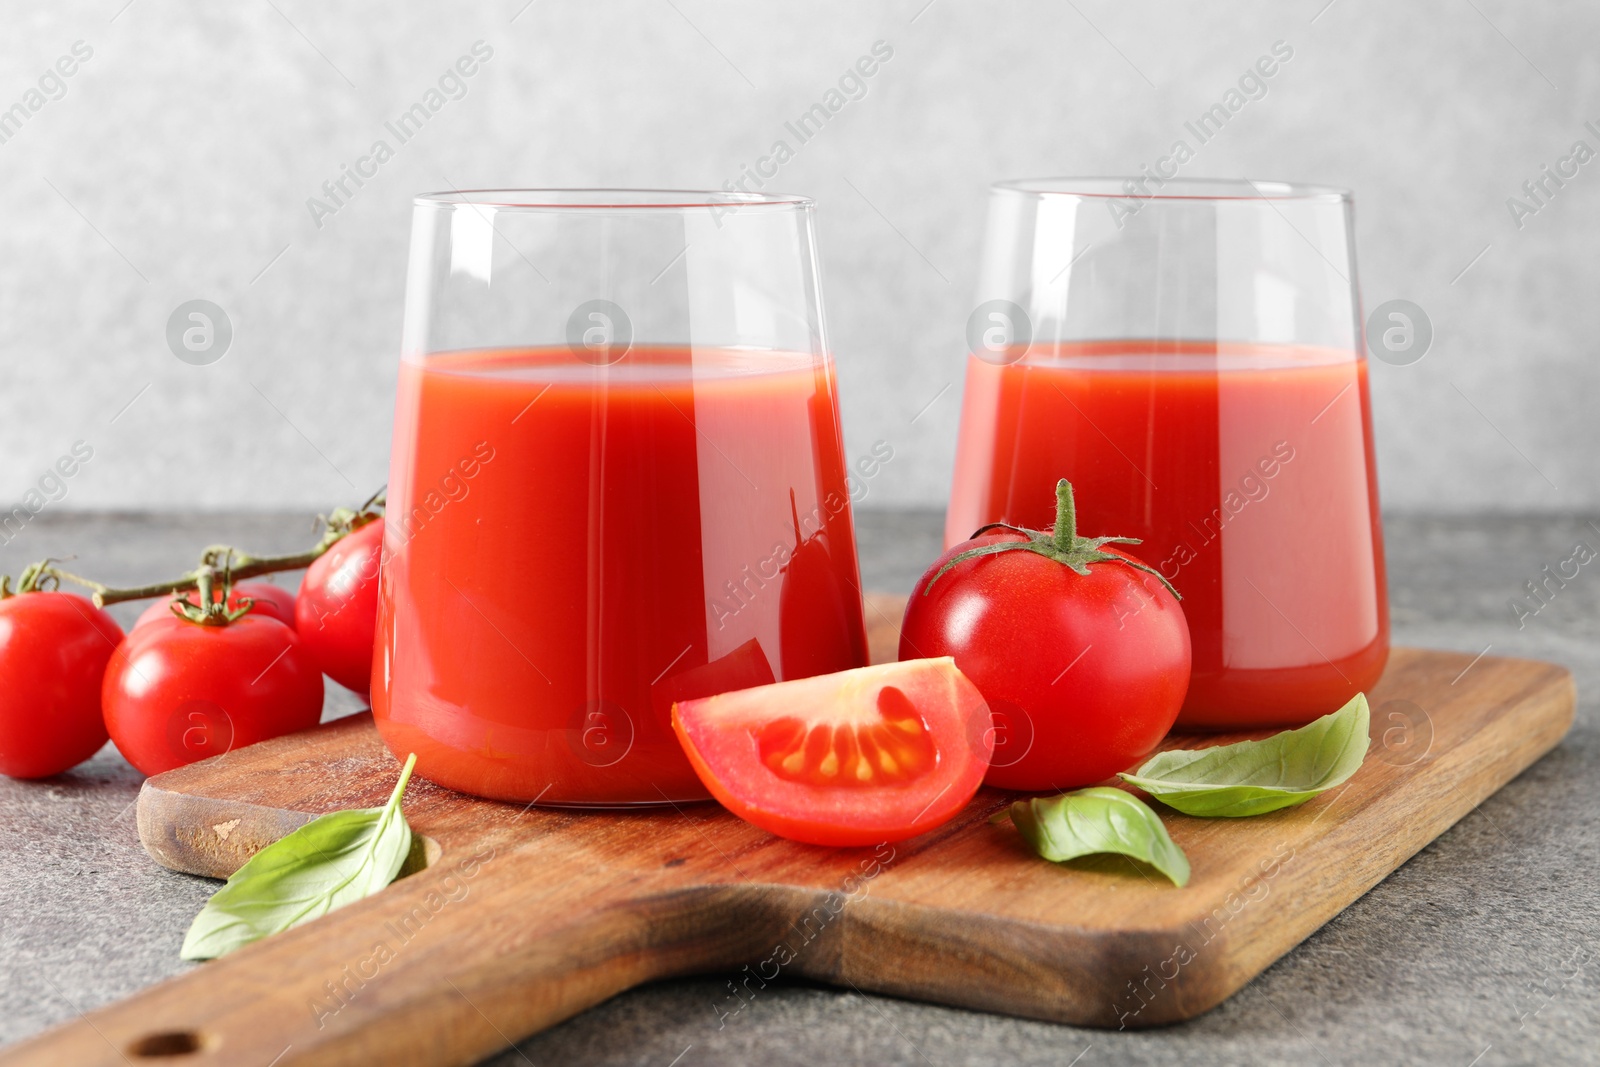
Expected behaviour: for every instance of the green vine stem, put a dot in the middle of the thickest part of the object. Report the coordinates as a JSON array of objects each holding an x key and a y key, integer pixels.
[
  {"x": 239, "y": 565},
  {"x": 213, "y": 609},
  {"x": 1061, "y": 544},
  {"x": 30, "y": 580}
]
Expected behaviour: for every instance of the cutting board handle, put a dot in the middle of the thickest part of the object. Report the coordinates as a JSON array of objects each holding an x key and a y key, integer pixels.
[{"x": 446, "y": 966}]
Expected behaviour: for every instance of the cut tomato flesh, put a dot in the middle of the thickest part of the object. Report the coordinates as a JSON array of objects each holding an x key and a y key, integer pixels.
[
  {"x": 855, "y": 758},
  {"x": 892, "y": 746}
]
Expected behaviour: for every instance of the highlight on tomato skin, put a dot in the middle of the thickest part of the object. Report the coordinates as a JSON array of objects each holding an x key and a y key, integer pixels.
[{"x": 858, "y": 757}]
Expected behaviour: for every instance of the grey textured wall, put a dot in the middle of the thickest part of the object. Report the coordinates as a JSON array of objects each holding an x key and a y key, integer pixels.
[{"x": 176, "y": 162}]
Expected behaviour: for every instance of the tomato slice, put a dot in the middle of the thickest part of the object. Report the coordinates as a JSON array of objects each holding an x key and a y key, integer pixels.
[{"x": 855, "y": 758}]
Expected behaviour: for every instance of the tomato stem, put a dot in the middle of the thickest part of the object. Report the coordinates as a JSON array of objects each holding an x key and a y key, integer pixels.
[
  {"x": 1061, "y": 544},
  {"x": 30, "y": 580},
  {"x": 213, "y": 609},
  {"x": 1066, "y": 529},
  {"x": 238, "y": 565}
]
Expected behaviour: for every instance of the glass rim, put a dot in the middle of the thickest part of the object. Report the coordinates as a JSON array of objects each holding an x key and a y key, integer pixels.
[
  {"x": 618, "y": 199},
  {"x": 1149, "y": 188}
]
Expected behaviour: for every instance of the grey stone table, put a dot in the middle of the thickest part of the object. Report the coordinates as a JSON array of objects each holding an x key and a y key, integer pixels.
[{"x": 1482, "y": 950}]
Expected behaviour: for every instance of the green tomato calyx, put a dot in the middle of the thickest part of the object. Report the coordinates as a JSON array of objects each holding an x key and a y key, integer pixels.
[{"x": 1061, "y": 544}]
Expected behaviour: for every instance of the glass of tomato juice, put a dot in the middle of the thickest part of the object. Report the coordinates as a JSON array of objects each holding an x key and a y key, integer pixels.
[
  {"x": 1188, "y": 354},
  {"x": 617, "y": 481}
]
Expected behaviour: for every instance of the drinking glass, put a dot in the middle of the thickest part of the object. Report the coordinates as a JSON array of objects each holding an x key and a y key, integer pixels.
[
  {"x": 617, "y": 481},
  {"x": 1189, "y": 355}
]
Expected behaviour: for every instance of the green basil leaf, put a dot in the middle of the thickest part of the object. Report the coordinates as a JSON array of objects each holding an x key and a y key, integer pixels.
[
  {"x": 1099, "y": 820},
  {"x": 1254, "y": 777},
  {"x": 333, "y": 860}
]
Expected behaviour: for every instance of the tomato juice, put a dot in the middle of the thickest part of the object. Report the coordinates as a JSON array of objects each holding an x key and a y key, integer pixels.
[
  {"x": 572, "y": 547},
  {"x": 1246, "y": 470}
]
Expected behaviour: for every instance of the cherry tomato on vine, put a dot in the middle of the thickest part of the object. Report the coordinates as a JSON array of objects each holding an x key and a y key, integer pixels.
[
  {"x": 1081, "y": 650},
  {"x": 336, "y": 612},
  {"x": 273, "y": 601},
  {"x": 53, "y": 650},
  {"x": 859, "y": 757},
  {"x": 178, "y": 691}
]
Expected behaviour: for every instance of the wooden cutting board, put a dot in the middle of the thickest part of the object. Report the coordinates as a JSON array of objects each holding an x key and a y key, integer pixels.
[{"x": 528, "y": 916}]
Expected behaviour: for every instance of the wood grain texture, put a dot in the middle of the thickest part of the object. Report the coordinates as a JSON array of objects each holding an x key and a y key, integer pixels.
[{"x": 527, "y": 916}]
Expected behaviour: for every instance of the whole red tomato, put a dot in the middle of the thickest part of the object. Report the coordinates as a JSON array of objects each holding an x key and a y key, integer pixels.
[
  {"x": 177, "y": 691},
  {"x": 336, "y": 612},
  {"x": 1081, "y": 651},
  {"x": 273, "y": 601},
  {"x": 53, "y": 650}
]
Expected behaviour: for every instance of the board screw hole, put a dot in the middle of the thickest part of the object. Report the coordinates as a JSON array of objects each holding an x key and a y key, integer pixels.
[{"x": 167, "y": 1043}]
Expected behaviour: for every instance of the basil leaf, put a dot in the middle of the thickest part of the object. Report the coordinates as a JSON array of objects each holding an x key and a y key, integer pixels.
[
  {"x": 1098, "y": 820},
  {"x": 333, "y": 860},
  {"x": 1254, "y": 777}
]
